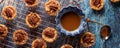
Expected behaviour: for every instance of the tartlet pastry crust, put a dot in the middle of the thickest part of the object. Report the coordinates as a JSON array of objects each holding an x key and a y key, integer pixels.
[
  {"x": 66, "y": 46},
  {"x": 34, "y": 45},
  {"x": 31, "y": 3},
  {"x": 9, "y": 12},
  {"x": 87, "y": 37},
  {"x": 52, "y": 7},
  {"x": 20, "y": 37},
  {"x": 49, "y": 34},
  {"x": 3, "y": 31},
  {"x": 97, "y": 4},
  {"x": 33, "y": 20}
]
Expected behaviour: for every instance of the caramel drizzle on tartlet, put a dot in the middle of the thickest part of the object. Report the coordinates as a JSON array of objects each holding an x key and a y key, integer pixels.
[
  {"x": 9, "y": 12},
  {"x": 20, "y": 37},
  {"x": 52, "y": 7},
  {"x": 97, "y": 4},
  {"x": 49, "y": 34},
  {"x": 39, "y": 43},
  {"x": 87, "y": 39},
  {"x": 33, "y": 20},
  {"x": 3, "y": 31},
  {"x": 31, "y": 3}
]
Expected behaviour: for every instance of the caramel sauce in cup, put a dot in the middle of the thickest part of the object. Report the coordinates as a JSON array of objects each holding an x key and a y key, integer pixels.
[{"x": 70, "y": 21}]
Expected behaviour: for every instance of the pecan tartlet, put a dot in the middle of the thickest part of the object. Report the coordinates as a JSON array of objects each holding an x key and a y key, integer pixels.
[
  {"x": 20, "y": 37},
  {"x": 33, "y": 20},
  {"x": 39, "y": 43},
  {"x": 87, "y": 39},
  {"x": 97, "y": 4},
  {"x": 52, "y": 7},
  {"x": 49, "y": 34},
  {"x": 115, "y": 1},
  {"x": 66, "y": 46},
  {"x": 31, "y": 3},
  {"x": 9, "y": 12},
  {"x": 3, "y": 31}
]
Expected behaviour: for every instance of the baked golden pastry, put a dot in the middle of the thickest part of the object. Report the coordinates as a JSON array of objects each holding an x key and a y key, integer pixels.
[
  {"x": 97, "y": 4},
  {"x": 87, "y": 39},
  {"x": 39, "y": 43},
  {"x": 33, "y": 20},
  {"x": 3, "y": 31},
  {"x": 115, "y": 1},
  {"x": 66, "y": 46},
  {"x": 20, "y": 37},
  {"x": 9, "y": 12},
  {"x": 52, "y": 7},
  {"x": 31, "y": 3},
  {"x": 49, "y": 34}
]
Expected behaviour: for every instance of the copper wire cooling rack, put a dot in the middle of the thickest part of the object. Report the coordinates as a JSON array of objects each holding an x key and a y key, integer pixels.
[{"x": 47, "y": 21}]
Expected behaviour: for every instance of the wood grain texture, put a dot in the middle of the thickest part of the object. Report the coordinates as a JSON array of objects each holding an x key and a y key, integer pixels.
[{"x": 109, "y": 15}]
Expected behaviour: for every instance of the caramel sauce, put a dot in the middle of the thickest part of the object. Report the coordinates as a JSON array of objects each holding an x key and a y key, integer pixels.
[
  {"x": 19, "y": 37},
  {"x": 38, "y": 44},
  {"x": 97, "y": 3},
  {"x": 2, "y": 30},
  {"x": 105, "y": 31},
  {"x": 8, "y": 12},
  {"x": 49, "y": 33},
  {"x": 70, "y": 21},
  {"x": 88, "y": 39},
  {"x": 33, "y": 19},
  {"x": 30, "y": 1},
  {"x": 53, "y": 7}
]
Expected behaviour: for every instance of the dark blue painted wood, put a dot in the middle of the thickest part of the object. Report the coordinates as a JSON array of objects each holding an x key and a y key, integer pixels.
[{"x": 110, "y": 15}]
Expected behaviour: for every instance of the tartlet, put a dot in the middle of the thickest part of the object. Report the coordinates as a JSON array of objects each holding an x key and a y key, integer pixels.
[
  {"x": 66, "y": 46},
  {"x": 49, "y": 34},
  {"x": 9, "y": 12},
  {"x": 20, "y": 37},
  {"x": 52, "y": 7},
  {"x": 33, "y": 20},
  {"x": 97, "y": 4},
  {"x": 87, "y": 39},
  {"x": 115, "y": 1},
  {"x": 39, "y": 43},
  {"x": 3, "y": 31},
  {"x": 31, "y": 3}
]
